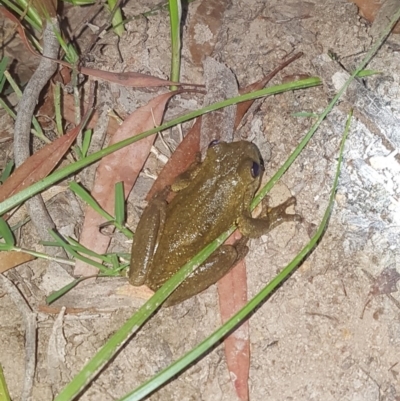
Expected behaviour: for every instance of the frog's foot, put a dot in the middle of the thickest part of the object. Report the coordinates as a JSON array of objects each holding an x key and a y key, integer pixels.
[
  {"x": 270, "y": 218},
  {"x": 277, "y": 215}
]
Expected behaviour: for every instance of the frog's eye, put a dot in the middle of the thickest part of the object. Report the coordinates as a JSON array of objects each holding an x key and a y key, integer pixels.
[
  {"x": 213, "y": 143},
  {"x": 255, "y": 170}
]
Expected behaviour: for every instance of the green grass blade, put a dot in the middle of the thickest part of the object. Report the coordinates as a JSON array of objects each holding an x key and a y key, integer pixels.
[
  {"x": 37, "y": 128},
  {"x": 86, "y": 197},
  {"x": 117, "y": 20},
  {"x": 368, "y": 73},
  {"x": 7, "y": 171},
  {"x": 62, "y": 291},
  {"x": 119, "y": 203},
  {"x": 87, "y": 137},
  {"x": 175, "y": 14},
  {"x": 4, "y": 394},
  {"x": 68, "y": 248},
  {"x": 57, "y": 108},
  {"x": 3, "y": 66},
  {"x": 9, "y": 111},
  {"x": 6, "y": 233},
  {"x": 62, "y": 173},
  {"x": 82, "y": 249},
  {"x": 32, "y": 17}
]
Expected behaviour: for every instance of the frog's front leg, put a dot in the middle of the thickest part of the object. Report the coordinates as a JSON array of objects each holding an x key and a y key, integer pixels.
[
  {"x": 270, "y": 218},
  {"x": 214, "y": 268},
  {"x": 147, "y": 237},
  {"x": 185, "y": 178}
]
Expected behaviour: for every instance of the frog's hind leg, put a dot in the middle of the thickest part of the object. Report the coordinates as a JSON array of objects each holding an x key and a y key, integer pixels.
[
  {"x": 214, "y": 268},
  {"x": 147, "y": 237}
]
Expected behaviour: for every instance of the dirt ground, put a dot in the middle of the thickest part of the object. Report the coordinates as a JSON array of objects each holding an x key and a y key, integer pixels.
[{"x": 332, "y": 330}]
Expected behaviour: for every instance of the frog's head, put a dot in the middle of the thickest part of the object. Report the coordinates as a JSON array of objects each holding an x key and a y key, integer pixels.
[{"x": 238, "y": 162}]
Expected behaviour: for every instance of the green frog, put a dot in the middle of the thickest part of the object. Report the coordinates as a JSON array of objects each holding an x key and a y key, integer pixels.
[{"x": 210, "y": 197}]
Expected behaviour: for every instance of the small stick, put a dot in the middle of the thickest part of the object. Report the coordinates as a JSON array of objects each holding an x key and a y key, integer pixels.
[{"x": 35, "y": 206}]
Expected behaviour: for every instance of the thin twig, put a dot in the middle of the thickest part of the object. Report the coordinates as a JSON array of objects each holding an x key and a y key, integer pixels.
[{"x": 35, "y": 206}]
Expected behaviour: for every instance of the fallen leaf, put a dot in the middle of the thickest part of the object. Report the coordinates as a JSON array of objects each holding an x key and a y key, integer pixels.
[
  {"x": 123, "y": 165},
  {"x": 232, "y": 291},
  {"x": 384, "y": 284},
  {"x": 46, "y": 111},
  {"x": 10, "y": 259},
  {"x": 39, "y": 165},
  {"x": 128, "y": 79},
  {"x": 20, "y": 29},
  {"x": 180, "y": 161}
]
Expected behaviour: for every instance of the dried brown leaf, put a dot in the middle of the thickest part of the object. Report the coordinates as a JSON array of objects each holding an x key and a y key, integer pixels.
[
  {"x": 127, "y": 79},
  {"x": 46, "y": 8},
  {"x": 232, "y": 291},
  {"x": 10, "y": 259},
  {"x": 180, "y": 161},
  {"x": 123, "y": 165},
  {"x": 39, "y": 165}
]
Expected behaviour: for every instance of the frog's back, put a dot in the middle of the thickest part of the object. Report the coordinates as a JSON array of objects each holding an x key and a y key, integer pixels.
[{"x": 202, "y": 211}]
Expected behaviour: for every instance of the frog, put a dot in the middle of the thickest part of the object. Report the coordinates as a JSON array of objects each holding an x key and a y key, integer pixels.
[{"x": 210, "y": 197}]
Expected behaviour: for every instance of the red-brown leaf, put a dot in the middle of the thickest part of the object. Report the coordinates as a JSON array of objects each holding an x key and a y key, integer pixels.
[
  {"x": 179, "y": 162},
  {"x": 10, "y": 259},
  {"x": 20, "y": 29},
  {"x": 127, "y": 79},
  {"x": 39, "y": 165},
  {"x": 386, "y": 282},
  {"x": 232, "y": 291},
  {"x": 123, "y": 165}
]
